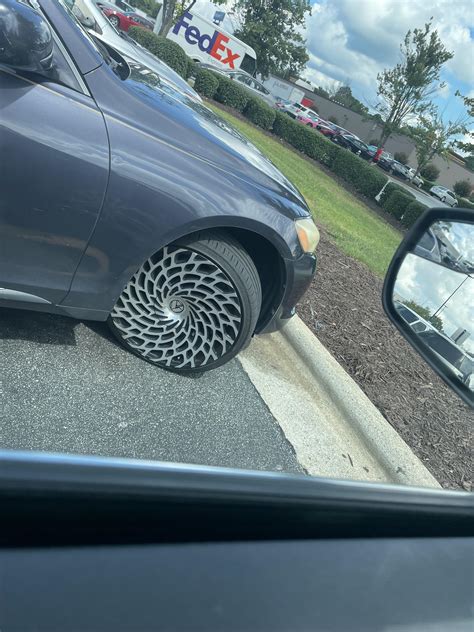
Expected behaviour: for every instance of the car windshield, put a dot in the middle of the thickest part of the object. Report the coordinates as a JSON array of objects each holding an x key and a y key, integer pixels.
[{"x": 192, "y": 267}]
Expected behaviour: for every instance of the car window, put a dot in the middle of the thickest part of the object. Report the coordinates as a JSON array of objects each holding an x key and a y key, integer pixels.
[
  {"x": 444, "y": 347},
  {"x": 409, "y": 316},
  {"x": 427, "y": 241}
]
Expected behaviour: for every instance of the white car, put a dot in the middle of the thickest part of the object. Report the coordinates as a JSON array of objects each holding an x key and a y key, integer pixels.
[
  {"x": 445, "y": 195},
  {"x": 91, "y": 17},
  {"x": 417, "y": 181},
  {"x": 252, "y": 85}
]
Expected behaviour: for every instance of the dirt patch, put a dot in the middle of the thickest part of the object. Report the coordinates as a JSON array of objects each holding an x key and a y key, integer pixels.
[{"x": 343, "y": 308}]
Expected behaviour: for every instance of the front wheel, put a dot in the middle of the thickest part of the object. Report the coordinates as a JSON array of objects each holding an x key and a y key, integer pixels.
[
  {"x": 192, "y": 306},
  {"x": 113, "y": 19},
  {"x": 443, "y": 199}
]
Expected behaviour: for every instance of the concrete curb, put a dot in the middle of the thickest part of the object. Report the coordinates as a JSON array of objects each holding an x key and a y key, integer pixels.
[{"x": 334, "y": 428}]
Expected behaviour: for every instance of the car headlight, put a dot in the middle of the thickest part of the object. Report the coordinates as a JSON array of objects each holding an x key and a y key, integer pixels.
[{"x": 308, "y": 234}]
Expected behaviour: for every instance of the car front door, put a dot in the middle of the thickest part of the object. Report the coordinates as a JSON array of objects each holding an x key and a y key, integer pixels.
[{"x": 53, "y": 175}]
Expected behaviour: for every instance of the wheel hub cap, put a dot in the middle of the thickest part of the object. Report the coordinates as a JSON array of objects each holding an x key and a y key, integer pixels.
[{"x": 179, "y": 310}]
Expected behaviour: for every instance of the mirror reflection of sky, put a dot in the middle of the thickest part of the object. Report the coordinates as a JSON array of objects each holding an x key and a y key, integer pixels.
[
  {"x": 430, "y": 285},
  {"x": 461, "y": 235}
]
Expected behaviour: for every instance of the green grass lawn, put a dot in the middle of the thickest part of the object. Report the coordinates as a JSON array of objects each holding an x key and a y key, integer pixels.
[{"x": 354, "y": 227}]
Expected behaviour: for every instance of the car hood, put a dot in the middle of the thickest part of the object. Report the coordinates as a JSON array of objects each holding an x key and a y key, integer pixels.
[{"x": 154, "y": 106}]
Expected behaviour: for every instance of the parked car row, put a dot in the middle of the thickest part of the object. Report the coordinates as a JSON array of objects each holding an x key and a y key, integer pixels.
[{"x": 350, "y": 141}]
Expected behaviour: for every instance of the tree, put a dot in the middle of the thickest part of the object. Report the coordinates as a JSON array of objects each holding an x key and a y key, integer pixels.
[
  {"x": 401, "y": 156},
  {"x": 333, "y": 119},
  {"x": 172, "y": 10},
  {"x": 150, "y": 7},
  {"x": 467, "y": 146},
  {"x": 425, "y": 313},
  {"x": 434, "y": 137},
  {"x": 167, "y": 14},
  {"x": 469, "y": 160},
  {"x": 321, "y": 92},
  {"x": 404, "y": 90},
  {"x": 345, "y": 97},
  {"x": 463, "y": 188},
  {"x": 271, "y": 28},
  {"x": 430, "y": 172}
]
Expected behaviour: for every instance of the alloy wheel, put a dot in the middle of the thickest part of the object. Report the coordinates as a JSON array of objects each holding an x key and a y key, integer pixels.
[{"x": 180, "y": 310}]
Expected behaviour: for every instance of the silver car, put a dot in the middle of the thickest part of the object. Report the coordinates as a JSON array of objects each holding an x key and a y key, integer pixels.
[
  {"x": 254, "y": 86},
  {"x": 92, "y": 18},
  {"x": 445, "y": 195}
]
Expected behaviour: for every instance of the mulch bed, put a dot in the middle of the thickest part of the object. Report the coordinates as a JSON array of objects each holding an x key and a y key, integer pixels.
[{"x": 343, "y": 308}]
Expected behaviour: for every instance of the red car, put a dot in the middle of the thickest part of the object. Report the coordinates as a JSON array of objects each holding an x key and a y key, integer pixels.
[{"x": 123, "y": 20}]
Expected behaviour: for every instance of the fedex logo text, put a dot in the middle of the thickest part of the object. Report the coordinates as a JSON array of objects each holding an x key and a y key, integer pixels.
[{"x": 213, "y": 45}]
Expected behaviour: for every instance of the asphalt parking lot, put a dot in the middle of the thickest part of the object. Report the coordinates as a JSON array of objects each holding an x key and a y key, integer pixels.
[
  {"x": 429, "y": 200},
  {"x": 67, "y": 386}
]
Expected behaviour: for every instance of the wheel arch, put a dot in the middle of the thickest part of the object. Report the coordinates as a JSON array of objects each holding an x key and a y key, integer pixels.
[{"x": 266, "y": 256}]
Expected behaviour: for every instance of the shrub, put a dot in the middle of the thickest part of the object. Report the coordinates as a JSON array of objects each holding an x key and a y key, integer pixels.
[
  {"x": 389, "y": 189},
  {"x": 191, "y": 67},
  {"x": 401, "y": 157},
  {"x": 283, "y": 126},
  {"x": 463, "y": 203},
  {"x": 462, "y": 188},
  {"x": 230, "y": 93},
  {"x": 259, "y": 113},
  {"x": 206, "y": 83},
  {"x": 333, "y": 119},
  {"x": 305, "y": 139},
  {"x": 412, "y": 213},
  {"x": 397, "y": 203},
  {"x": 168, "y": 51},
  {"x": 364, "y": 177},
  {"x": 430, "y": 172}
]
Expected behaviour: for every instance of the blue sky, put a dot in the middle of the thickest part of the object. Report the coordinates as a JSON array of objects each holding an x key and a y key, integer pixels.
[{"x": 350, "y": 41}]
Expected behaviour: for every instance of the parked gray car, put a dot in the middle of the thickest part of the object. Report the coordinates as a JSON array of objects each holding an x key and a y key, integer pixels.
[
  {"x": 125, "y": 200},
  {"x": 247, "y": 81}
]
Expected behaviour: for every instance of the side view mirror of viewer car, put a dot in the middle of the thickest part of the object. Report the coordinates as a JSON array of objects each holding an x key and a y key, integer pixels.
[
  {"x": 429, "y": 294},
  {"x": 26, "y": 41}
]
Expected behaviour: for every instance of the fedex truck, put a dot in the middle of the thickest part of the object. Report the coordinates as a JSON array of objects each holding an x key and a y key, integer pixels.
[{"x": 205, "y": 42}]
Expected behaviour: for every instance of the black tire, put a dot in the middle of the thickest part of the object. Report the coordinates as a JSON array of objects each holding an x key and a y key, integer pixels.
[
  {"x": 192, "y": 306},
  {"x": 114, "y": 20},
  {"x": 443, "y": 199}
]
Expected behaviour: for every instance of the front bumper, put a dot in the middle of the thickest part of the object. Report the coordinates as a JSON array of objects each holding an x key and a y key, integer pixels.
[{"x": 299, "y": 274}]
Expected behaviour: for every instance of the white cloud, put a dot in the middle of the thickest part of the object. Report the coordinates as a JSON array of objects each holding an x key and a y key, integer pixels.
[{"x": 353, "y": 40}]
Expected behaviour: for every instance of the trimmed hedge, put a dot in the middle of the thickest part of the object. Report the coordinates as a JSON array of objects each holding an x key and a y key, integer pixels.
[
  {"x": 397, "y": 203},
  {"x": 305, "y": 139},
  {"x": 191, "y": 67},
  {"x": 230, "y": 93},
  {"x": 389, "y": 189},
  {"x": 168, "y": 51},
  {"x": 463, "y": 203},
  {"x": 412, "y": 213},
  {"x": 206, "y": 83},
  {"x": 259, "y": 113},
  {"x": 363, "y": 176}
]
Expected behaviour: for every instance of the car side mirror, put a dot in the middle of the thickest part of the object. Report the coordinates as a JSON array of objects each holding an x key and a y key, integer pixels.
[
  {"x": 428, "y": 294},
  {"x": 26, "y": 41}
]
